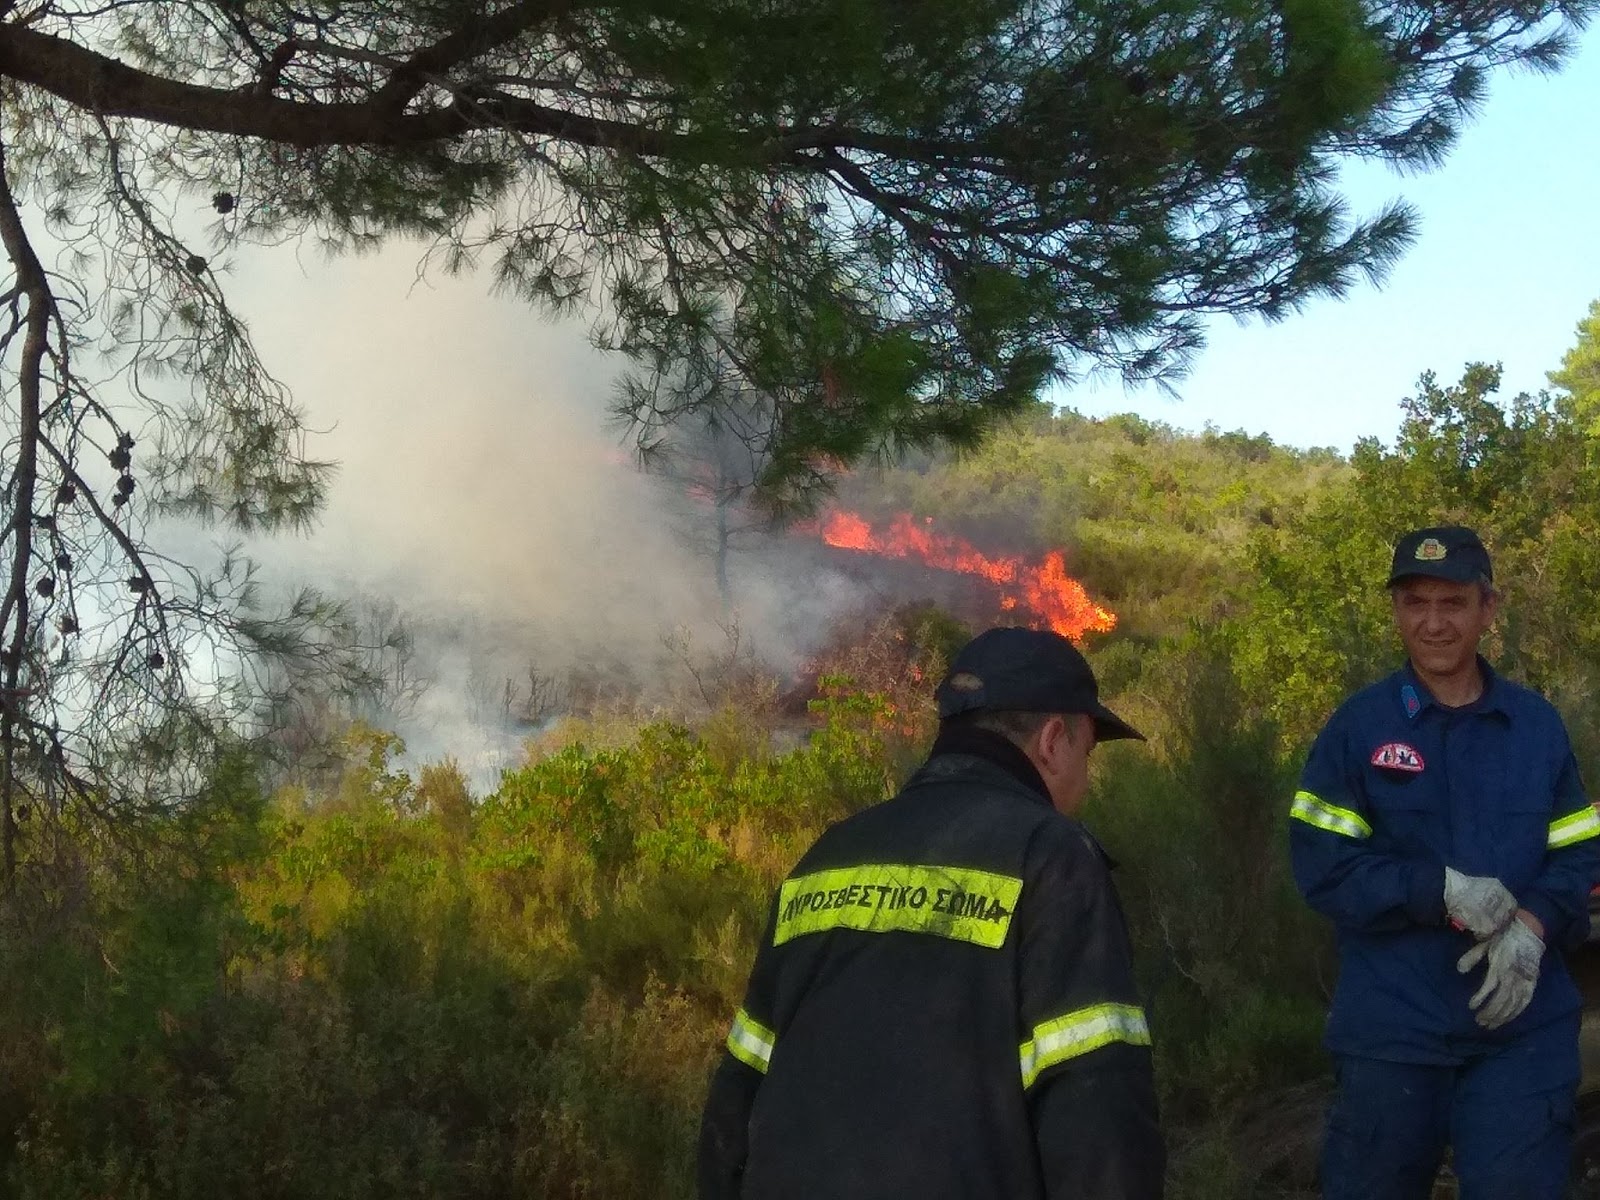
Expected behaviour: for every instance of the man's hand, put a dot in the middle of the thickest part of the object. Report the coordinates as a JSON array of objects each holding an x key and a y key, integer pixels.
[
  {"x": 1478, "y": 903},
  {"x": 1513, "y": 955}
]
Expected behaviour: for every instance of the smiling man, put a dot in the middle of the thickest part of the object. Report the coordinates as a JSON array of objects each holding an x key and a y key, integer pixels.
[{"x": 1442, "y": 827}]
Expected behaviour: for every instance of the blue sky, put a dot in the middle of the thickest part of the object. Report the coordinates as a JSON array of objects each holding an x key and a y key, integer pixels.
[{"x": 1506, "y": 263}]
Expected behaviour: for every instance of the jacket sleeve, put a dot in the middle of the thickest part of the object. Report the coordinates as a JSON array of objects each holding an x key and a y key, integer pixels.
[
  {"x": 1330, "y": 848},
  {"x": 1559, "y": 897},
  {"x": 1085, "y": 1048},
  {"x": 725, "y": 1122},
  {"x": 724, "y": 1129}
]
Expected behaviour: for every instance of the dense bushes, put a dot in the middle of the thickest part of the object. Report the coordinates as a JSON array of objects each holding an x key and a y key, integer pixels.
[
  {"x": 378, "y": 995},
  {"x": 1236, "y": 969},
  {"x": 374, "y": 992}
]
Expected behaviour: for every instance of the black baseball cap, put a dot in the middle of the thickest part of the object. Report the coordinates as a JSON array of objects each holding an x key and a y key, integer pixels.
[
  {"x": 1451, "y": 552},
  {"x": 1027, "y": 670}
]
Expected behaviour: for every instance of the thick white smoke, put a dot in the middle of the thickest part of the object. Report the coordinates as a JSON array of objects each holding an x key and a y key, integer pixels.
[{"x": 483, "y": 488}]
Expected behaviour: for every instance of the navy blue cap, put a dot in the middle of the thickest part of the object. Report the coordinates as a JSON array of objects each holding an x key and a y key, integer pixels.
[
  {"x": 1451, "y": 552},
  {"x": 1026, "y": 670}
]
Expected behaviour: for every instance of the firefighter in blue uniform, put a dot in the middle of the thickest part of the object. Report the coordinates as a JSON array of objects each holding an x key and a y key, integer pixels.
[
  {"x": 943, "y": 1002},
  {"x": 1442, "y": 828}
]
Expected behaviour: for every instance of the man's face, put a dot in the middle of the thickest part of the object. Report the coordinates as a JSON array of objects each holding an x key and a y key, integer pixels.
[
  {"x": 1441, "y": 623},
  {"x": 1062, "y": 756}
]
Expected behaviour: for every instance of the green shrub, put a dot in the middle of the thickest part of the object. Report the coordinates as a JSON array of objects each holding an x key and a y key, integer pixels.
[{"x": 387, "y": 990}]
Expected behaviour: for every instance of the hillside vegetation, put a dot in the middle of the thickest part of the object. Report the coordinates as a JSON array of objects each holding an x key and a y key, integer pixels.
[{"x": 356, "y": 982}]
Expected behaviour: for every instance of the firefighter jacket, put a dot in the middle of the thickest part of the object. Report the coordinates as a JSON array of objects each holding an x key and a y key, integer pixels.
[
  {"x": 1398, "y": 787},
  {"x": 942, "y": 1006}
]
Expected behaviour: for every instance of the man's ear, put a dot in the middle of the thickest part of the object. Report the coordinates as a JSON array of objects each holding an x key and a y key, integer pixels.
[{"x": 1055, "y": 730}]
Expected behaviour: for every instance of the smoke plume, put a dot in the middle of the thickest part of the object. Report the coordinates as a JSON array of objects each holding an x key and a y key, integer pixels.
[{"x": 484, "y": 490}]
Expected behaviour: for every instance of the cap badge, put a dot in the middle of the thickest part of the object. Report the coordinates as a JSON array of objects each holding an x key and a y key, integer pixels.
[
  {"x": 1397, "y": 756},
  {"x": 1432, "y": 550},
  {"x": 965, "y": 681}
]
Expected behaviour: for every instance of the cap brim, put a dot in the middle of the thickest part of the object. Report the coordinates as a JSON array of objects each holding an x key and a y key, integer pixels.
[
  {"x": 1108, "y": 727},
  {"x": 1452, "y": 572}
]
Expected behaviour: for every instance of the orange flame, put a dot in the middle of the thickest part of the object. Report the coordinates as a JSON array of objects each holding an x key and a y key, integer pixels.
[{"x": 1055, "y": 599}]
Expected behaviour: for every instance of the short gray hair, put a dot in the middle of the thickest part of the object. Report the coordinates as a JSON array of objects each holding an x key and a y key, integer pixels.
[{"x": 1017, "y": 727}]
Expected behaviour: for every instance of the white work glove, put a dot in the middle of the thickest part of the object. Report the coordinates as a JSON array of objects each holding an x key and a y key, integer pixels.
[
  {"x": 1514, "y": 955},
  {"x": 1477, "y": 903}
]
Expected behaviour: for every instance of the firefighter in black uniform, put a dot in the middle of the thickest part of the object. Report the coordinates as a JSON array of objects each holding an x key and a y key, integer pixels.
[{"x": 943, "y": 1003}]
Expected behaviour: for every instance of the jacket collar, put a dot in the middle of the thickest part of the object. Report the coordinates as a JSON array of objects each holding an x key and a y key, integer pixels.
[
  {"x": 995, "y": 749},
  {"x": 1414, "y": 694}
]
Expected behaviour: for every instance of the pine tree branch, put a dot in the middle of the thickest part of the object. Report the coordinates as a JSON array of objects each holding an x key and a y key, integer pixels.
[
  {"x": 472, "y": 38},
  {"x": 106, "y": 86}
]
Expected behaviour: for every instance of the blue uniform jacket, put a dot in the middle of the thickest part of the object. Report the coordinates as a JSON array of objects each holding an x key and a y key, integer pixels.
[{"x": 1396, "y": 788}]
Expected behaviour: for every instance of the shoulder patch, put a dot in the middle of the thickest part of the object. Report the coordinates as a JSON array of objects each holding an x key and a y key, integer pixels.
[{"x": 1397, "y": 756}]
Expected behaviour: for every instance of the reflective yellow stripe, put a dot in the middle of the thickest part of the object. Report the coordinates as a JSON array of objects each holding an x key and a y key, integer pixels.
[
  {"x": 750, "y": 1041},
  {"x": 1574, "y": 827},
  {"x": 1078, "y": 1033},
  {"x": 953, "y": 902},
  {"x": 1314, "y": 810}
]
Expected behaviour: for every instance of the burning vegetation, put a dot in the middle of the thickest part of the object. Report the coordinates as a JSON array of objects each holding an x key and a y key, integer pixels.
[{"x": 1041, "y": 593}]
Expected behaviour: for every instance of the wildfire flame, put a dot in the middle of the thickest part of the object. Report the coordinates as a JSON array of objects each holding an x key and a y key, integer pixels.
[{"x": 1043, "y": 589}]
